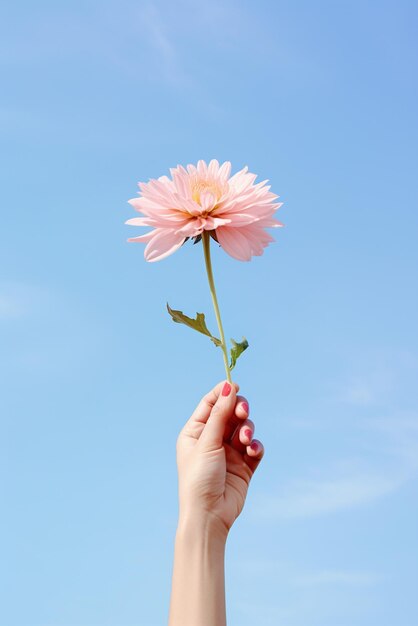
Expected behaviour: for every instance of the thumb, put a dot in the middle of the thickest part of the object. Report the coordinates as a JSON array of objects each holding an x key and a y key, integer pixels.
[{"x": 223, "y": 409}]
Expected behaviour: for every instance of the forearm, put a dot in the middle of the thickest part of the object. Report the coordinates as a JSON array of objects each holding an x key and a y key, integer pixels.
[{"x": 198, "y": 584}]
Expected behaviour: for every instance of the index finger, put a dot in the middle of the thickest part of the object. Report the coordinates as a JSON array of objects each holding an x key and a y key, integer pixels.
[{"x": 195, "y": 424}]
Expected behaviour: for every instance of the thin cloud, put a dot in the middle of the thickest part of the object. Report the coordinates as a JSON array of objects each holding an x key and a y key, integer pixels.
[
  {"x": 382, "y": 454},
  {"x": 16, "y": 300},
  {"x": 298, "y": 575},
  {"x": 399, "y": 436},
  {"x": 10, "y": 308},
  {"x": 295, "y": 592},
  {"x": 329, "y": 577},
  {"x": 157, "y": 36},
  {"x": 351, "y": 483},
  {"x": 360, "y": 393},
  {"x": 151, "y": 19},
  {"x": 311, "y": 498},
  {"x": 371, "y": 387},
  {"x": 44, "y": 332}
]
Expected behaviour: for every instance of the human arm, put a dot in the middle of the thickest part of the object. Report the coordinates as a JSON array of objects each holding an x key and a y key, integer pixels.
[{"x": 216, "y": 458}]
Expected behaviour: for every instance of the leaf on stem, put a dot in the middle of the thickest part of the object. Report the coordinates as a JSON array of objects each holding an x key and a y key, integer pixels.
[
  {"x": 197, "y": 323},
  {"x": 236, "y": 351}
]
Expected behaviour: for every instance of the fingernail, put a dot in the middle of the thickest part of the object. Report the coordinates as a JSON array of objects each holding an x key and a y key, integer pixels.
[
  {"x": 226, "y": 389},
  {"x": 248, "y": 433},
  {"x": 254, "y": 446},
  {"x": 245, "y": 407}
]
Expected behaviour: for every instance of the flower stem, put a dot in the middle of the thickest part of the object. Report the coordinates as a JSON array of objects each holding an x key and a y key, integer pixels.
[{"x": 208, "y": 263}]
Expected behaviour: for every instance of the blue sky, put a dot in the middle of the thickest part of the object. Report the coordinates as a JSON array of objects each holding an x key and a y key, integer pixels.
[{"x": 96, "y": 381}]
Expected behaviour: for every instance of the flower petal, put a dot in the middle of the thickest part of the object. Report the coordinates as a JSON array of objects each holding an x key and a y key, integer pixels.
[
  {"x": 257, "y": 237},
  {"x": 143, "y": 238},
  {"x": 224, "y": 171},
  {"x": 213, "y": 168},
  {"x": 137, "y": 221},
  {"x": 181, "y": 181},
  {"x": 163, "y": 243},
  {"x": 213, "y": 222},
  {"x": 191, "y": 229},
  {"x": 236, "y": 210},
  {"x": 234, "y": 243},
  {"x": 207, "y": 200},
  {"x": 202, "y": 169}
]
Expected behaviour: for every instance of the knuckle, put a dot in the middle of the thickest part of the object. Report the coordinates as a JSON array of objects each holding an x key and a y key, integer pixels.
[{"x": 217, "y": 410}]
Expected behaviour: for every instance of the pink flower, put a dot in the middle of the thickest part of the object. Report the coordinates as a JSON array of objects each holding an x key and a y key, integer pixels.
[{"x": 234, "y": 209}]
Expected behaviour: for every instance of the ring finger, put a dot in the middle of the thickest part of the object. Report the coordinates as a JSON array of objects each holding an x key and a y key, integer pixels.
[{"x": 243, "y": 435}]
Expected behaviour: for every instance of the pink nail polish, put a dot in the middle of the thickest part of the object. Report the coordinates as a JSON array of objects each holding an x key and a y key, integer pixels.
[
  {"x": 248, "y": 433},
  {"x": 254, "y": 446},
  {"x": 245, "y": 407},
  {"x": 226, "y": 389}
]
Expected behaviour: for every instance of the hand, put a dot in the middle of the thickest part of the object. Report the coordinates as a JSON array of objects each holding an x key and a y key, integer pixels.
[{"x": 217, "y": 457}]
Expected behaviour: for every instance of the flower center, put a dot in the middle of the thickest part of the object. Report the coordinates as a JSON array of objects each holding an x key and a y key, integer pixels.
[{"x": 200, "y": 186}]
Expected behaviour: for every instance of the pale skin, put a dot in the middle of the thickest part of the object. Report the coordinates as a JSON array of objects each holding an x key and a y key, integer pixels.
[{"x": 216, "y": 459}]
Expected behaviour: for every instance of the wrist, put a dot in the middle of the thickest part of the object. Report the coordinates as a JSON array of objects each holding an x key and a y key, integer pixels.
[
  {"x": 198, "y": 588},
  {"x": 201, "y": 527}
]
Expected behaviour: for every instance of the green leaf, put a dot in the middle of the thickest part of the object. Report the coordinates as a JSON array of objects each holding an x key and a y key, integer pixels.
[
  {"x": 197, "y": 323},
  {"x": 236, "y": 351}
]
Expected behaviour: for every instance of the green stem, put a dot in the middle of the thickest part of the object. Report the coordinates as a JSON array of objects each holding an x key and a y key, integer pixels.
[{"x": 208, "y": 263}]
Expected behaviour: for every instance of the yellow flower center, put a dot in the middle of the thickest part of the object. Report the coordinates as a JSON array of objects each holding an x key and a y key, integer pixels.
[{"x": 200, "y": 186}]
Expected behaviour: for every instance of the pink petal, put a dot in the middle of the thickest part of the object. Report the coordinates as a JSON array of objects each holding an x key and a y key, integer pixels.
[
  {"x": 207, "y": 200},
  {"x": 137, "y": 203},
  {"x": 234, "y": 243},
  {"x": 163, "y": 193},
  {"x": 170, "y": 219},
  {"x": 160, "y": 211},
  {"x": 239, "y": 210},
  {"x": 165, "y": 179},
  {"x": 257, "y": 237},
  {"x": 137, "y": 221},
  {"x": 224, "y": 171},
  {"x": 191, "y": 170},
  {"x": 214, "y": 222},
  {"x": 143, "y": 238},
  {"x": 240, "y": 219},
  {"x": 270, "y": 223},
  {"x": 191, "y": 229},
  {"x": 163, "y": 243},
  {"x": 202, "y": 169},
  {"x": 213, "y": 168},
  {"x": 242, "y": 180},
  {"x": 181, "y": 181}
]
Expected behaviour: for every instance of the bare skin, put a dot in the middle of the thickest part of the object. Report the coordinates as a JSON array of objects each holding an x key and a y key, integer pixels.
[{"x": 216, "y": 459}]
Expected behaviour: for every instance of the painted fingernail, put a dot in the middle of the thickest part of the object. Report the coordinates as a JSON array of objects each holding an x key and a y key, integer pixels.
[
  {"x": 254, "y": 446},
  {"x": 226, "y": 389},
  {"x": 248, "y": 433},
  {"x": 245, "y": 407}
]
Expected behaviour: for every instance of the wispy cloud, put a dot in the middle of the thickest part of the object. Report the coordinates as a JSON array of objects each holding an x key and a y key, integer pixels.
[
  {"x": 298, "y": 575},
  {"x": 165, "y": 52},
  {"x": 10, "y": 308},
  {"x": 360, "y": 393},
  {"x": 377, "y": 379},
  {"x": 42, "y": 331},
  {"x": 328, "y": 577},
  {"x": 372, "y": 444},
  {"x": 310, "y": 498},
  {"x": 368, "y": 389},
  {"x": 292, "y": 592},
  {"x": 16, "y": 300},
  {"x": 390, "y": 448},
  {"x": 398, "y": 435}
]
